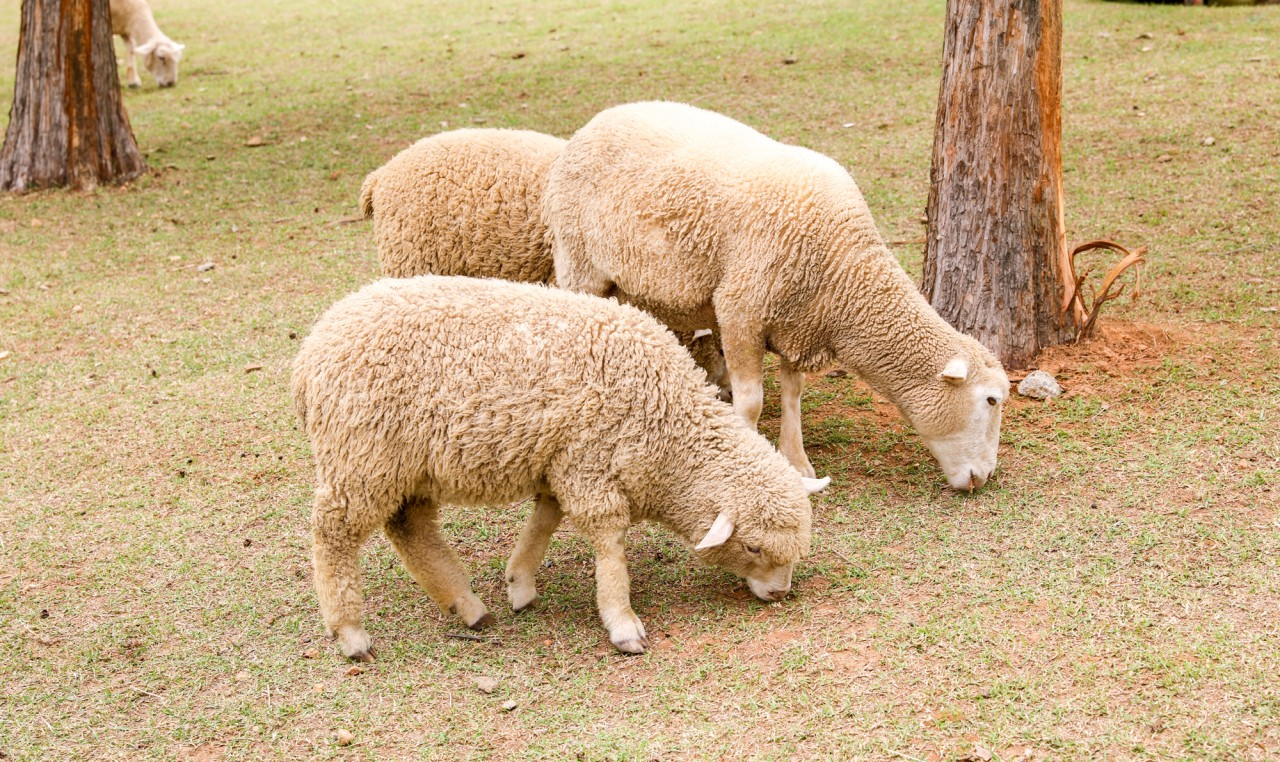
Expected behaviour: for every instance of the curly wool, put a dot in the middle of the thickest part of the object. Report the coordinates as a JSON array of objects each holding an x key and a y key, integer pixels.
[
  {"x": 451, "y": 390},
  {"x": 465, "y": 202}
]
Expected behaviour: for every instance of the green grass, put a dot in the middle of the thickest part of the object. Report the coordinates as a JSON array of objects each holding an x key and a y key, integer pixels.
[{"x": 1114, "y": 593}]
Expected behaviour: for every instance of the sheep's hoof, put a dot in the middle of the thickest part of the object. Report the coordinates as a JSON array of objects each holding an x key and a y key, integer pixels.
[
  {"x": 135, "y": 85},
  {"x": 521, "y": 597},
  {"x": 632, "y": 645},
  {"x": 485, "y": 621},
  {"x": 365, "y": 657}
]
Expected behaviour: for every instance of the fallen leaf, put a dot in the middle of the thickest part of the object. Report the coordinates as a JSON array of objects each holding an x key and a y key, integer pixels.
[
  {"x": 790, "y": 60},
  {"x": 311, "y": 653},
  {"x": 1164, "y": 157},
  {"x": 254, "y": 141},
  {"x": 355, "y": 671},
  {"x": 252, "y": 368},
  {"x": 241, "y": 676},
  {"x": 205, "y": 267},
  {"x": 5, "y": 354},
  {"x": 518, "y": 55}
]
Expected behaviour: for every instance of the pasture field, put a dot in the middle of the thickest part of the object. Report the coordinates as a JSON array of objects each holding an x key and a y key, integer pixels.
[{"x": 1114, "y": 593}]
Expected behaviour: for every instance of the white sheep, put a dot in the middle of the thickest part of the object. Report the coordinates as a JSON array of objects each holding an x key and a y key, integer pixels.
[
  {"x": 132, "y": 20},
  {"x": 468, "y": 202},
  {"x": 433, "y": 390},
  {"x": 465, "y": 202},
  {"x": 705, "y": 222}
]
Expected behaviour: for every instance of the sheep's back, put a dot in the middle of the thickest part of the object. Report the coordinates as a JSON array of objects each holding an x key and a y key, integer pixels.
[
  {"x": 466, "y": 202},
  {"x": 472, "y": 390}
]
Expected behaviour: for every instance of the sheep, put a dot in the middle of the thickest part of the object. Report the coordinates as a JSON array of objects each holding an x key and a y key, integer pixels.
[
  {"x": 432, "y": 390},
  {"x": 705, "y": 222},
  {"x": 468, "y": 202},
  {"x": 132, "y": 20},
  {"x": 465, "y": 202}
]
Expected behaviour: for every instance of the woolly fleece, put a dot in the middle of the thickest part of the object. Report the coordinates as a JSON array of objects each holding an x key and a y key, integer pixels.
[
  {"x": 447, "y": 390},
  {"x": 465, "y": 202}
]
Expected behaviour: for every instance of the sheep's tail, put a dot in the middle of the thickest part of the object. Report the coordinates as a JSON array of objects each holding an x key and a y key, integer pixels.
[{"x": 366, "y": 195}]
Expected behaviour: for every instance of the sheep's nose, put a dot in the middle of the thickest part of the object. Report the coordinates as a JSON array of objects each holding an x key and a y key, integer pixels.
[
  {"x": 777, "y": 595},
  {"x": 976, "y": 480}
]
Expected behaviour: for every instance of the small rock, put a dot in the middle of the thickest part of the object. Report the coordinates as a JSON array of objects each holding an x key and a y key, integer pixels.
[
  {"x": 1146, "y": 36},
  {"x": 206, "y": 267},
  {"x": 252, "y": 368},
  {"x": 1039, "y": 385},
  {"x": 311, "y": 653},
  {"x": 487, "y": 684},
  {"x": 355, "y": 671},
  {"x": 1208, "y": 141},
  {"x": 254, "y": 141},
  {"x": 509, "y": 706},
  {"x": 790, "y": 60},
  {"x": 5, "y": 354},
  {"x": 345, "y": 737},
  {"x": 982, "y": 754},
  {"x": 1164, "y": 158},
  {"x": 241, "y": 676},
  {"x": 837, "y": 373}
]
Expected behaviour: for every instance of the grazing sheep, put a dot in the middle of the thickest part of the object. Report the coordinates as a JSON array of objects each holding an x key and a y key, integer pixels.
[
  {"x": 705, "y": 222},
  {"x": 468, "y": 202},
  {"x": 465, "y": 202},
  {"x": 132, "y": 20},
  {"x": 433, "y": 390}
]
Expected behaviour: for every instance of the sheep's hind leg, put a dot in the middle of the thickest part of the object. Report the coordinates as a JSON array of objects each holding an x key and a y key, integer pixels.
[
  {"x": 522, "y": 588},
  {"x": 791, "y": 438},
  {"x": 744, "y": 357},
  {"x": 335, "y": 554},
  {"x": 415, "y": 532}
]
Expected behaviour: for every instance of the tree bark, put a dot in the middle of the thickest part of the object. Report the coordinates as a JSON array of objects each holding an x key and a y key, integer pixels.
[
  {"x": 994, "y": 251},
  {"x": 67, "y": 125}
]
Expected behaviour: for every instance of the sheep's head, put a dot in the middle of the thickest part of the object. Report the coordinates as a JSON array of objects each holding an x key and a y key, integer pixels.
[
  {"x": 761, "y": 543},
  {"x": 161, "y": 57},
  {"x": 957, "y": 412}
]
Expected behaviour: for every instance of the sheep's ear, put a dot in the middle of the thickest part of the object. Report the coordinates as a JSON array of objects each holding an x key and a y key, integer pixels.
[
  {"x": 179, "y": 47},
  {"x": 719, "y": 532},
  {"x": 814, "y": 486},
  {"x": 145, "y": 48},
  {"x": 956, "y": 371}
]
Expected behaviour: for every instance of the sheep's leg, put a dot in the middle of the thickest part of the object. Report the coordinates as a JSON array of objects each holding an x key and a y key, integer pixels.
[
  {"x": 744, "y": 356},
  {"x": 791, "y": 439},
  {"x": 522, "y": 587},
  {"x": 131, "y": 77},
  {"x": 337, "y": 572},
  {"x": 415, "y": 532},
  {"x": 613, "y": 591}
]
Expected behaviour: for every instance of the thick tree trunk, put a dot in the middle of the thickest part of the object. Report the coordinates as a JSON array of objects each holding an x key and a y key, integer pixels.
[
  {"x": 67, "y": 125},
  {"x": 994, "y": 251}
]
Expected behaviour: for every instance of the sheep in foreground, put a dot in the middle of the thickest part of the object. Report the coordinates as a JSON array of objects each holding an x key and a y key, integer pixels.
[
  {"x": 132, "y": 20},
  {"x": 468, "y": 202},
  {"x": 704, "y": 222},
  {"x": 432, "y": 390}
]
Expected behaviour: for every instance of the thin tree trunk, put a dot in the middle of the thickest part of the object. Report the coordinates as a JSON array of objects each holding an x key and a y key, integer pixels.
[
  {"x": 993, "y": 259},
  {"x": 67, "y": 125}
]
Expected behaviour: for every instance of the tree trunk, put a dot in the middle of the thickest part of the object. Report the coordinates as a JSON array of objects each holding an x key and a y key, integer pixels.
[
  {"x": 993, "y": 259},
  {"x": 67, "y": 125}
]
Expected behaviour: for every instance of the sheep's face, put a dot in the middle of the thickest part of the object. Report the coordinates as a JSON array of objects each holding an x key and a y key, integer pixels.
[
  {"x": 763, "y": 549},
  {"x": 959, "y": 418},
  {"x": 161, "y": 59}
]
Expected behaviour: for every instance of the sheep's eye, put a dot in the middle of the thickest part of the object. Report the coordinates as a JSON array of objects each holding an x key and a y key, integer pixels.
[
  {"x": 752, "y": 549},
  {"x": 992, "y": 401}
]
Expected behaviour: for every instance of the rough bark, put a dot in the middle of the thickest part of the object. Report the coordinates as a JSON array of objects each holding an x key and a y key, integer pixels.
[
  {"x": 993, "y": 253},
  {"x": 67, "y": 124}
]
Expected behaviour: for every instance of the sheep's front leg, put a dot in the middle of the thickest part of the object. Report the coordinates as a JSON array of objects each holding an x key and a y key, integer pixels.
[
  {"x": 415, "y": 532},
  {"x": 335, "y": 560},
  {"x": 791, "y": 438},
  {"x": 522, "y": 567},
  {"x": 131, "y": 77},
  {"x": 613, "y": 591},
  {"x": 744, "y": 356}
]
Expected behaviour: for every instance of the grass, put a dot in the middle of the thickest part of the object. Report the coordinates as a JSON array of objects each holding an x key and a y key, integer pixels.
[{"x": 1114, "y": 593}]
